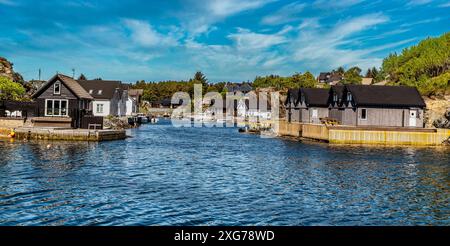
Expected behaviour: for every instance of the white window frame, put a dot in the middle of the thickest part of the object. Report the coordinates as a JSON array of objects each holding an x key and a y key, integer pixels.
[
  {"x": 361, "y": 116},
  {"x": 54, "y": 88},
  {"x": 53, "y": 106},
  {"x": 100, "y": 92},
  {"x": 100, "y": 106}
]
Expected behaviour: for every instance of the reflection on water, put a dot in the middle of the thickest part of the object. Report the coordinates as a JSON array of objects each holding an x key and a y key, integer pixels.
[{"x": 216, "y": 176}]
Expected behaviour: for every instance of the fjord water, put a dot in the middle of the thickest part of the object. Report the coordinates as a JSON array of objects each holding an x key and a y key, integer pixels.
[{"x": 216, "y": 176}]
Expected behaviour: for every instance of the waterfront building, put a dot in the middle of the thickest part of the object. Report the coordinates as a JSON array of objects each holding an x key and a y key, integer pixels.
[
  {"x": 236, "y": 89},
  {"x": 62, "y": 102},
  {"x": 291, "y": 105},
  {"x": 331, "y": 78},
  {"x": 134, "y": 101},
  {"x": 387, "y": 106},
  {"x": 109, "y": 97}
]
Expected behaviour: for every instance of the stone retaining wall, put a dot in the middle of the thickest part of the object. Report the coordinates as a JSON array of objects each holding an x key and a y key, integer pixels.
[{"x": 11, "y": 122}]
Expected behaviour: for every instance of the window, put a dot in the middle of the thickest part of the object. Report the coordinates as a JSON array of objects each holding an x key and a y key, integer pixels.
[
  {"x": 349, "y": 97},
  {"x": 363, "y": 114},
  {"x": 100, "y": 92},
  {"x": 335, "y": 98},
  {"x": 91, "y": 91},
  {"x": 315, "y": 113},
  {"x": 99, "y": 108},
  {"x": 57, "y": 88},
  {"x": 56, "y": 107}
]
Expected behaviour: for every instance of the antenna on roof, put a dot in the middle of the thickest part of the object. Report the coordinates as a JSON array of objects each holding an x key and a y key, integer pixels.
[
  {"x": 73, "y": 73},
  {"x": 39, "y": 74}
]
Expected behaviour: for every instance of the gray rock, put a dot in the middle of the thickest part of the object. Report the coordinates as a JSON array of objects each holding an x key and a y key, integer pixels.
[{"x": 444, "y": 121}]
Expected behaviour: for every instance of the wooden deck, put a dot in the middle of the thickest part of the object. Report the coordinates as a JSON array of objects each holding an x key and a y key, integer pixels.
[{"x": 65, "y": 134}]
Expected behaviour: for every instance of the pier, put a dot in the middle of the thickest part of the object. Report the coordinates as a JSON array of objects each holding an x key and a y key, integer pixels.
[
  {"x": 365, "y": 135},
  {"x": 62, "y": 134}
]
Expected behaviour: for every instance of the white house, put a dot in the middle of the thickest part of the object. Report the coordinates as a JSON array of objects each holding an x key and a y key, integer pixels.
[
  {"x": 253, "y": 107},
  {"x": 110, "y": 97},
  {"x": 134, "y": 100}
]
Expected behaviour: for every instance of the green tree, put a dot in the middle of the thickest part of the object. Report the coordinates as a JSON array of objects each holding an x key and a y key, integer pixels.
[
  {"x": 352, "y": 76},
  {"x": 419, "y": 64},
  {"x": 308, "y": 80},
  {"x": 10, "y": 90},
  {"x": 340, "y": 70}
]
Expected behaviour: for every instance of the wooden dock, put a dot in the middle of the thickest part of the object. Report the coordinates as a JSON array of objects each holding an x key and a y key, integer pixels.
[
  {"x": 366, "y": 135},
  {"x": 61, "y": 134}
]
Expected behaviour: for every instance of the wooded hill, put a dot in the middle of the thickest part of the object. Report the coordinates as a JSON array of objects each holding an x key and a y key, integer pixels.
[{"x": 426, "y": 66}]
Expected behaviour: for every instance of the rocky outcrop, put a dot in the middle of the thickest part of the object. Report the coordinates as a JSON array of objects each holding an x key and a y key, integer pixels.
[
  {"x": 6, "y": 70},
  {"x": 444, "y": 121},
  {"x": 116, "y": 123},
  {"x": 436, "y": 111}
]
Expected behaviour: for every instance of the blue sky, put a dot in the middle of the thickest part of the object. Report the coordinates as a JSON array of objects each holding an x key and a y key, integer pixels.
[{"x": 232, "y": 40}]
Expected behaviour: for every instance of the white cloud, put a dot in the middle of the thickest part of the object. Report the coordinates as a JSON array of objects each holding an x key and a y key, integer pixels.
[
  {"x": 205, "y": 14},
  {"x": 8, "y": 2},
  {"x": 224, "y": 8},
  {"x": 420, "y": 22},
  {"x": 325, "y": 48},
  {"x": 355, "y": 25},
  {"x": 418, "y": 2},
  {"x": 287, "y": 13},
  {"x": 145, "y": 35},
  {"x": 336, "y": 4},
  {"x": 246, "y": 40},
  {"x": 81, "y": 4},
  {"x": 445, "y": 5}
]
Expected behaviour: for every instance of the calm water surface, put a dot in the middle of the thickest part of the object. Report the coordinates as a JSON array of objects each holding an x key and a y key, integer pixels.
[{"x": 216, "y": 176}]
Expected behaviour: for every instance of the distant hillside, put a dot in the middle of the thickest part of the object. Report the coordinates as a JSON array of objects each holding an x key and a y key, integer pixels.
[{"x": 426, "y": 65}]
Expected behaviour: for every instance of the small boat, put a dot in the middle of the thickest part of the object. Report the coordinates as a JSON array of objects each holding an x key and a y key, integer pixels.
[
  {"x": 142, "y": 119},
  {"x": 154, "y": 120}
]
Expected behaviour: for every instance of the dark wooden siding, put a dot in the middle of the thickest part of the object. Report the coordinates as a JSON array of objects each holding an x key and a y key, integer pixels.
[{"x": 65, "y": 93}]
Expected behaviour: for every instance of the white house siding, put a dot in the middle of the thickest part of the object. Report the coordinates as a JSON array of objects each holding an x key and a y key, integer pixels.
[
  {"x": 106, "y": 107},
  {"x": 130, "y": 107},
  {"x": 241, "y": 108}
]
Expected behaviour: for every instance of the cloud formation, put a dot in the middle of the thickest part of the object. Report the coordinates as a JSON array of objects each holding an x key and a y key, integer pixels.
[{"x": 228, "y": 40}]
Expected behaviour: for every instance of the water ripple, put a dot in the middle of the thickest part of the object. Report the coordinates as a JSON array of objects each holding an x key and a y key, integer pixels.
[{"x": 216, "y": 176}]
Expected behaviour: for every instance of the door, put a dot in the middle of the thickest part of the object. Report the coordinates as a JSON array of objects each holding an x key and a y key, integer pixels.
[
  {"x": 315, "y": 115},
  {"x": 412, "y": 118}
]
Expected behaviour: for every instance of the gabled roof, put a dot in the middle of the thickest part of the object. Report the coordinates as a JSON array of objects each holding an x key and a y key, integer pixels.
[
  {"x": 293, "y": 96},
  {"x": 335, "y": 77},
  {"x": 102, "y": 89},
  {"x": 245, "y": 87},
  {"x": 338, "y": 90},
  {"x": 386, "y": 96},
  {"x": 168, "y": 102},
  {"x": 329, "y": 77},
  {"x": 135, "y": 92},
  {"x": 324, "y": 76},
  {"x": 316, "y": 96},
  {"x": 238, "y": 87},
  {"x": 262, "y": 103},
  {"x": 69, "y": 82}
]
